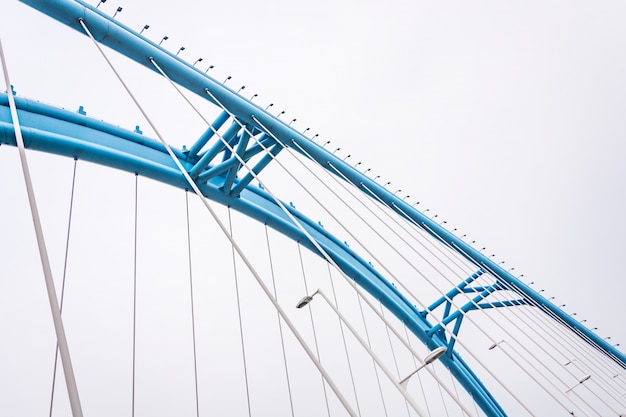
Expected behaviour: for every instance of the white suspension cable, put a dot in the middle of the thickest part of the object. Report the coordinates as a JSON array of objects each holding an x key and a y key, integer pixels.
[
  {"x": 243, "y": 344},
  {"x": 393, "y": 353},
  {"x": 573, "y": 345},
  {"x": 67, "y": 247},
  {"x": 280, "y": 325},
  {"x": 224, "y": 230},
  {"x": 68, "y": 370},
  {"x": 548, "y": 353},
  {"x": 278, "y": 202},
  {"x": 343, "y": 339},
  {"x": 317, "y": 348},
  {"x": 382, "y": 202},
  {"x": 445, "y": 406},
  {"x": 135, "y": 296},
  {"x": 254, "y": 175},
  {"x": 358, "y": 289},
  {"x": 191, "y": 300},
  {"x": 570, "y": 343},
  {"x": 451, "y": 334},
  {"x": 369, "y": 345},
  {"x": 533, "y": 358},
  {"x": 407, "y": 342},
  {"x": 548, "y": 350}
]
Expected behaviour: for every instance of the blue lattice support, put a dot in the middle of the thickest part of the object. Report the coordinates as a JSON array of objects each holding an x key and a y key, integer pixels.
[
  {"x": 66, "y": 133},
  {"x": 208, "y": 134},
  {"x": 470, "y": 305},
  {"x": 217, "y": 170},
  {"x": 132, "y": 45},
  {"x": 454, "y": 292},
  {"x": 243, "y": 183},
  {"x": 232, "y": 172},
  {"x": 218, "y": 147}
]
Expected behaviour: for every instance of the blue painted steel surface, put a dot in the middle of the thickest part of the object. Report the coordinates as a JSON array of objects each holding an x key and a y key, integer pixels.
[
  {"x": 78, "y": 136},
  {"x": 53, "y": 130}
]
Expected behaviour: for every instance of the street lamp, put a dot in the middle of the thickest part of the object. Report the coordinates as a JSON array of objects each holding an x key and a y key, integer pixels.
[
  {"x": 308, "y": 298},
  {"x": 430, "y": 358},
  {"x": 580, "y": 381},
  {"x": 496, "y": 344}
]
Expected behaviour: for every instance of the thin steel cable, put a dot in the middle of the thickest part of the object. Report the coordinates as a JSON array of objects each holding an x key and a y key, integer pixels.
[
  {"x": 223, "y": 228},
  {"x": 317, "y": 349},
  {"x": 419, "y": 378},
  {"x": 533, "y": 359},
  {"x": 193, "y": 314},
  {"x": 572, "y": 344},
  {"x": 341, "y": 272},
  {"x": 499, "y": 297},
  {"x": 566, "y": 347},
  {"x": 452, "y": 335},
  {"x": 343, "y": 338},
  {"x": 443, "y": 400},
  {"x": 443, "y": 326},
  {"x": 570, "y": 340},
  {"x": 443, "y": 275},
  {"x": 243, "y": 345},
  {"x": 244, "y": 127},
  {"x": 244, "y": 163},
  {"x": 393, "y": 354},
  {"x": 521, "y": 367},
  {"x": 369, "y": 344},
  {"x": 323, "y": 252},
  {"x": 66, "y": 361},
  {"x": 280, "y": 325},
  {"x": 547, "y": 349},
  {"x": 135, "y": 296},
  {"x": 67, "y": 247},
  {"x": 278, "y": 202}
]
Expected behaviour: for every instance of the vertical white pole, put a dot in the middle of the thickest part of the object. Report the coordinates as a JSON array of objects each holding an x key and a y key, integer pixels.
[{"x": 43, "y": 253}]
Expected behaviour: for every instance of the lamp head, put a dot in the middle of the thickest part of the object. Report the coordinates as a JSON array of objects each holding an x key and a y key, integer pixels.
[
  {"x": 435, "y": 354},
  {"x": 304, "y": 301}
]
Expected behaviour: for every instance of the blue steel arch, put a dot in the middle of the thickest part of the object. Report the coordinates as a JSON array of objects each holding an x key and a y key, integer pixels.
[
  {"x": 61, "y": 132},
  {"x": 73, "y": 134}
]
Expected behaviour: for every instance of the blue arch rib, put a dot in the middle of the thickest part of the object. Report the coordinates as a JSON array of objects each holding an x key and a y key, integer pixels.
[
  {"x": 115, "y": 147},
  {"x": 57, "y": 131}
]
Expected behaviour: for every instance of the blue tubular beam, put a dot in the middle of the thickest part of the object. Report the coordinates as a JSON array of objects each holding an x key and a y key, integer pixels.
[
  {"x": 477, "y": 289},
  {"x": 218, "y": 147},
  {"x": 208, "y": 134},
  {"x": 232, "y": 173},
  {"x": 470, "y": 305},
  {"x": 499, "y": 304},
  {"x": 124, "y": 40},
  {"x": 216, "y": 170},
  {"x": 455, "y": 331},
  {"x": 64, "y": 133},
  {"x": 261, "y": 144},
  {"x": 456, "y": 290},
  {"x": 243, "y": 183}
]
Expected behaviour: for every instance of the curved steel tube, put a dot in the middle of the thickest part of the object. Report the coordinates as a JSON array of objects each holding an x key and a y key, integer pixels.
[
  {"x": 111, "y": 146},
  {"x": 56, "y": 131}
]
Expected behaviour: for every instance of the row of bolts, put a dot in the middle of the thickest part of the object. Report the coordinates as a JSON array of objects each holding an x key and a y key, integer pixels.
[{"x": 182, "y": 48}]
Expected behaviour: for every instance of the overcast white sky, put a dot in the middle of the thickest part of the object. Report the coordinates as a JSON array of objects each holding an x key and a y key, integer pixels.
[{"x": 504, "y": 118}]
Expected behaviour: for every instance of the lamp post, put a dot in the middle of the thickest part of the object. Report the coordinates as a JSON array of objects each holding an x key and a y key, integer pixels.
[
  {"x": 580, "y": 381},
  {"x": 430, "y": 358},
  {"x": 433, "y": 355}
]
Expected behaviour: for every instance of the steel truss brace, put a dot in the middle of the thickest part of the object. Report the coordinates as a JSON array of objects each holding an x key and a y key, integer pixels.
[
  {"x": 456, "y": 316},
  {"x": 224, "y": 158}
]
